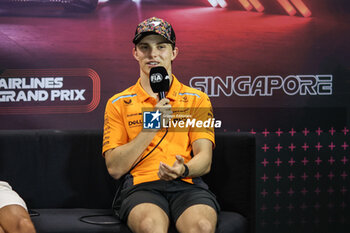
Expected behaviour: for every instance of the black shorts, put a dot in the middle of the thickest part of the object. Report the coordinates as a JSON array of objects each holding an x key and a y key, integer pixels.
[{"x": 174, "y": 197}]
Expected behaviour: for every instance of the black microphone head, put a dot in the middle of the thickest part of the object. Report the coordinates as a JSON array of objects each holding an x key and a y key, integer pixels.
[{"x": 159, "y": 79}]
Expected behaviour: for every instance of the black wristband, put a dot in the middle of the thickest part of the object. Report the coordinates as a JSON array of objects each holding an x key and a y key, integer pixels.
[{"x": 186, "y": 172}]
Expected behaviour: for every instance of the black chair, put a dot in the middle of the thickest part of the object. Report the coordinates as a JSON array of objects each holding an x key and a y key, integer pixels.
[{"x": 62, "y": 176}]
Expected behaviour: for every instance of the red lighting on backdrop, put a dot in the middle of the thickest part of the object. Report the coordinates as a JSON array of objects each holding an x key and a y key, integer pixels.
[
  {"x": 222, "y": 3},
  {"x": 287, "y": 7},
  {"x": 257, "y": 5},
  {"x": 291, "y": 7},
  {"x": 301, "y": 7},
  {"x": 246, "y": 4},
  {"x": 213, "y": 3}
]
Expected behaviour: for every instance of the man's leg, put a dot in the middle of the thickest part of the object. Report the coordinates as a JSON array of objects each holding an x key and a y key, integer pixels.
[
  {"x": 197, "y": 218},
  {"x": 14, "y": 218},
  {"x": 148, "y": 218}
]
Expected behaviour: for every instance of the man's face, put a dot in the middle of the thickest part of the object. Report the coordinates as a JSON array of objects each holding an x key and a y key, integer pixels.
[{"x": 152, "y": 51}]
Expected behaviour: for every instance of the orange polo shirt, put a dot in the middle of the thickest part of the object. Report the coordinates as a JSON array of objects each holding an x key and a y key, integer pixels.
[{"x": 124, "y": 121}]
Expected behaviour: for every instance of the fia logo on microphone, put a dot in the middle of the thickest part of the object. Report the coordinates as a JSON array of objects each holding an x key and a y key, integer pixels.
[
  {"x": 156, "y": 78},
  {"x": 151, "y": 120}
]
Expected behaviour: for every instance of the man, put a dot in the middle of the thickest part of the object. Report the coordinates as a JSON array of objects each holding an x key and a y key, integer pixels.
[
  {"x": 13, "y": 212},
  {"x": 162, "y": 179}
]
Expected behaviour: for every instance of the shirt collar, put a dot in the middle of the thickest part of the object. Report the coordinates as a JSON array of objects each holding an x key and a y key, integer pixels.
[
  {"x": 174, "y": 89},
  {"x": 141, "y": 93}
]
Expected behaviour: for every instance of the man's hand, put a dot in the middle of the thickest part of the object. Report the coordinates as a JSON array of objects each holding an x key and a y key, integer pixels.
[
  {"x": 171, "y": 173},
  {"x": 165, "y": 108}
]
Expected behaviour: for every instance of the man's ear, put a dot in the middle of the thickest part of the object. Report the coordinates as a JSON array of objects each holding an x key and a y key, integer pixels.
[
  {"x": 175, "y": 53},
  {"x": 134, "y": 53}
]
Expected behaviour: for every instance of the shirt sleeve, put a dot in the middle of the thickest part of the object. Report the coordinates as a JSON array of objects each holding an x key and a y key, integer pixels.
[
  {"x": 203, "y": 112},
  {"x": 114, "y": 133}
]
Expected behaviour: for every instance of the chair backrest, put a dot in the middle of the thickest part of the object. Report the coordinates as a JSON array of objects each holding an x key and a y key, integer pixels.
[
  {"x": 232, "y": 176},
  {"x": 65, "y": 169},
  {"x": 56, "y": 169}
]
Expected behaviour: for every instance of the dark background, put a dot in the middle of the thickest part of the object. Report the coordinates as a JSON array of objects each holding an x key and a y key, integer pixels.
[{"x": 216, "y": 42}]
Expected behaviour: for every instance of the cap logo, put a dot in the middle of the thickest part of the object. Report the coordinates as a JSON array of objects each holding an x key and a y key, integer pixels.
[{"x": 155, "y": 24}]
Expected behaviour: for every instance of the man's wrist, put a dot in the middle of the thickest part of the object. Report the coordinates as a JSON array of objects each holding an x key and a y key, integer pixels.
[{"x": 186, "y": 172}]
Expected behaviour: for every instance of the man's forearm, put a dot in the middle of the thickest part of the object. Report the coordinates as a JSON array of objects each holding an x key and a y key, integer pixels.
[
  {"x": 121, "y": 159},
  {"x": 199, "y": 165}
]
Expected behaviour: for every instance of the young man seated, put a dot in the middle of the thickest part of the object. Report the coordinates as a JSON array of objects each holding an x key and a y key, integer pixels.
[{"x": 162, "y": 181}]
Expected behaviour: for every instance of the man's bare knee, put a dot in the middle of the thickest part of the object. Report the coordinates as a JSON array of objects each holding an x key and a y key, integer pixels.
[
  {"x": 146, "y": 218},
  {"x": 203, "y": 225},
  {"x": 150, "y": 225},
  {"x": 147, "y": 225}
]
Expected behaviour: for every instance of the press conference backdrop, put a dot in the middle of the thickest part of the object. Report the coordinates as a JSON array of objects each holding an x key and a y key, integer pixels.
[{"x": 276, "y": 70}]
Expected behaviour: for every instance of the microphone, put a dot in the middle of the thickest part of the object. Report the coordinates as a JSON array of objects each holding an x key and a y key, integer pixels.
[{"x": 159, "y": 80}]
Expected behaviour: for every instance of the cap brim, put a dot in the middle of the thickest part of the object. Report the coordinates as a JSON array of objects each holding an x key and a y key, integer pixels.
[{"x": 141, "y": 35}]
